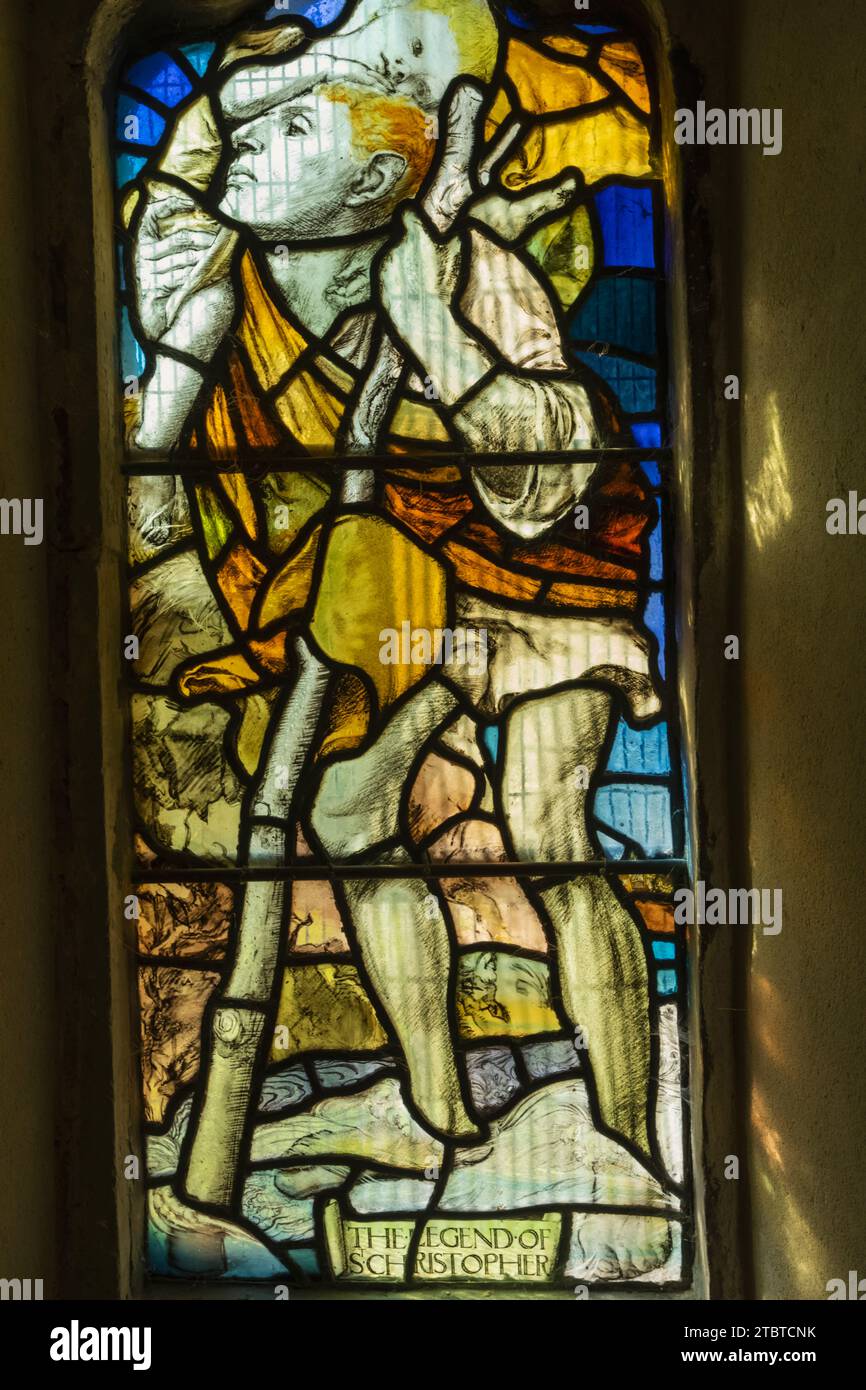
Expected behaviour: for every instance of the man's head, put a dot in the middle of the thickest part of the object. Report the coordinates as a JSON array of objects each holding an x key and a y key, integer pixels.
[
  {"x": 333, "y": 160},
  {"x": 327, "y": 143}
]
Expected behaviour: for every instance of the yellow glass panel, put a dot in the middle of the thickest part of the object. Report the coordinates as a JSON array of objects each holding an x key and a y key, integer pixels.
[
  {"x": 239, "y": 576},
  {"x": 334, "y": 373},
  {"x": 216, "y": 523},
  {"x": 623, "y": 63},
  {"x": 647, "y": 883},
  {"x": 564, "y": 43},
  {"x": 412, "y": 420},
  {"x": 288, "y": 590},
  {"x": 252, "y": 729},
  {"x": 222, "y": 441},
  {"x": 503, "y": 994},
  {"x": 348, "y": 717},
  {"x": 270, "y": 652},
  {"x": 193, "y": 151},
  {"x": 480, "y": 572},
  {"x": 272, "y": 343},
  {"x": 498, "y": 112},
  {"x": 227, "y": 674},
  {"x": 544, "y": 84},
  {"x": 310, "y": 413},
  {"x": 290, "y": 500},
  {"x": 237, "y": 490},
  {"x": 128, "y": 205},
  {"x": 565, "y": 251},
  {"x": 324, "y": 1006},
  {"x": 391, "y": 581},
  {"x": 601, "y": 144},
  {"x": 583, "y": 596}
]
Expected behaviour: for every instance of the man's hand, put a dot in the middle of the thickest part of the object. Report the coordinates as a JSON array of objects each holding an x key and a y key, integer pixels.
[
  {"x": 515, "y": 217},
  {"x": 184, "y": 294},
  {"x": 419, "y": 274},
  {"x": 417, "y": 281}
]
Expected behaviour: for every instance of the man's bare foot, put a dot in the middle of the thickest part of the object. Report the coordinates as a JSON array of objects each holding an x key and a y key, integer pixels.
[
  {"x": 186, "y": 1241},
  {"x": 373, "y": 1124},
  {"x": 444, "y": 1112},
  {"x": 611, "y": 1247},
  {"x": 546, "y": 1148}
]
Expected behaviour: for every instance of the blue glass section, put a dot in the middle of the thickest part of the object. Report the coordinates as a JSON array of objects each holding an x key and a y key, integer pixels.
[
  {"x": 619, "y": 310},
  {"x": 667, "y": 981},
  {"x": 654, "y": 617},
  {"x": 595, "y": 28},
  {"x": 306, "y": 1260},
  {"x": 611, "y": 849},
  {"x": 555, "y": 1058},
  {"x": 664, "y": 950},
  {"x": 647, "y": 434},
  {"x": 121, "y": 269},
  {"x": 285, "y": 1089},
  {"x": 337, "y": 1076},
  {"x": 132, "y": 357},
  {"x": 634, "y": 384},
  {"x": 655, "y": 545},
  {"x": 491, "y": 738},
  {"x": 640, "y": 750},
  {"x": 653, "y": 472},
  {"x": 137, "y": 123},
  {"x": 518, "y": 20},
  {"x": 626, "y": 216},
  {"x": 198, "y": 55},
  {"x": 160, "y": 77},
  {"x": 128, "y": 165},
  {"x": 641, "y": 811},
  {"x": 318, "y": 12}
]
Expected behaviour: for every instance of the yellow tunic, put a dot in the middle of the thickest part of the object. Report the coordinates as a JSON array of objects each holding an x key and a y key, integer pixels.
[{"x": 264, "y": 537}]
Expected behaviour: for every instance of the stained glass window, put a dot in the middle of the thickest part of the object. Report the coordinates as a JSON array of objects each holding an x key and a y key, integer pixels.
[{"x": 405, "y": 753}]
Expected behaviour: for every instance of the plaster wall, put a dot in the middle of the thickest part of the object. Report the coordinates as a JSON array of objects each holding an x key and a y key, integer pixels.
[
  {"x": 803, "y": 424},
  {"x": 28, "y": 1016}
]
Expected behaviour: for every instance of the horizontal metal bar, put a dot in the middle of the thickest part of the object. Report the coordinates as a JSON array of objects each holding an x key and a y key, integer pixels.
[
  {"x": 235, "y": 873},
  {"x": 253, "y": 464}
]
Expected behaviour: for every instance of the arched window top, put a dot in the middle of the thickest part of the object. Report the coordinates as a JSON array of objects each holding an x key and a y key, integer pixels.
[{"x": 405, "y": 742}]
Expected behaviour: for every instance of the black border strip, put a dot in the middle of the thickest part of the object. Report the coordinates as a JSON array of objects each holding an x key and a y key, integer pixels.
[
  {"x": 250, "y": 873},
  {"x": 195, "y": 465}
]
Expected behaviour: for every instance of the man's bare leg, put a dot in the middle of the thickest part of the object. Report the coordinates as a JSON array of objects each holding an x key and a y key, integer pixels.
[
  {"x": 406, "y": 950},
  {"x": 602, "y": 968},
  {"x": 399, "y": 925}
]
